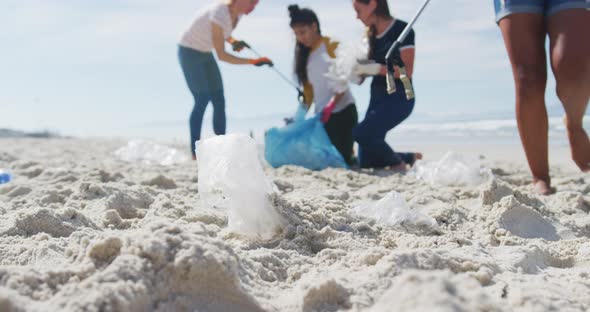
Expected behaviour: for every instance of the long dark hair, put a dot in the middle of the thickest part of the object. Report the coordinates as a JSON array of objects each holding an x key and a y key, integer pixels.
[
  {"x": 303, "y": 16},
  {"x": 382, "y": 11}
]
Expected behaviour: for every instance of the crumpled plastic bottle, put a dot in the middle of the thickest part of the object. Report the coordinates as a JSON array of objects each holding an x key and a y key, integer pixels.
[{"x": 5, "y": 176}]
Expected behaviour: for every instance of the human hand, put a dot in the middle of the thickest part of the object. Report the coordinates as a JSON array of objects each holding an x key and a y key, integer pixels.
[
  {"x": 372, "y": 69},
  {"x": 261, "y": 61},
  {"x": 237, "y": 45},
  {"x": 327, "y": 111}
]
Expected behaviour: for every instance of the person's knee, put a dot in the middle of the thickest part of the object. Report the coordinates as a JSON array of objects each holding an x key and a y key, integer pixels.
[
  {"x": 531, "y": 80},
  {"x": 198, "y": 110},
  {"x": 570, "y": 63},
  {"x": 218, "y": 99},
  {"x": 360, "y": 135},
  {"x": 572, "y": 82},
  {"x": 573, "y": 124},
  {"x": 201, "y": 101}
]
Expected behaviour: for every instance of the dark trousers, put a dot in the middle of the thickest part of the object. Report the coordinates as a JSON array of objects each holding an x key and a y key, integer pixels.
[
  {"x": 204, "y": 81},
  {"x": 386, "y": 111},
  {"x": 339, "y": 129}
]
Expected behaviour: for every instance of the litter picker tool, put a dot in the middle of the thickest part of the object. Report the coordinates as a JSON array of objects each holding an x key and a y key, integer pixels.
[
  {"x": 291, "y": 83},
  {"x": 393, "y": 58}
]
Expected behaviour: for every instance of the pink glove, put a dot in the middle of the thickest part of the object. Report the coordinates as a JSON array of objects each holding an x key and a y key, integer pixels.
[{"x": 327, "y": 111}]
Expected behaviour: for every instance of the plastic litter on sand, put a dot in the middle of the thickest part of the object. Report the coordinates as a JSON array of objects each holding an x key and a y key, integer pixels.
[
  {"x": 231, "y": 178},
  {"x": 393, "y": 210},
  {"x": 452, "y": 170},
  {"x": 341, "y": 70},
  {"x": 150, "y": 153}
]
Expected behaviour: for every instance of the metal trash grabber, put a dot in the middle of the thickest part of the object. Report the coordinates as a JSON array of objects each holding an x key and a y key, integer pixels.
[
  {"x": 299, "y": 92},
  {"x": 393, "y": 58}
]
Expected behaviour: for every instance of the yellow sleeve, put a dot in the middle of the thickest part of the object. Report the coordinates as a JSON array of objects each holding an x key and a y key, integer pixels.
[
  {"x": 307, "y": 94},
  {"x": 331, "y": 46}
]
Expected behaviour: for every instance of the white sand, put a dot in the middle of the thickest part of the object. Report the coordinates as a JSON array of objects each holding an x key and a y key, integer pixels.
[{"x": 82, "y": 231}]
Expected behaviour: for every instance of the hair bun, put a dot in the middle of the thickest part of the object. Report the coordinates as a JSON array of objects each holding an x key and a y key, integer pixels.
[{"x": 293, "y": 9}]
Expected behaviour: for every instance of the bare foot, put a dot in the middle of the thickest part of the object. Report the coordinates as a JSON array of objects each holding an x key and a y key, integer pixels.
[
  {"x": 541, "y": 187},
  {"x": 580, "y": 147},
  {"x": 194, "y": 157},
  {"x": 400, "y": 168},
  {"x": 417, "y": 156}
]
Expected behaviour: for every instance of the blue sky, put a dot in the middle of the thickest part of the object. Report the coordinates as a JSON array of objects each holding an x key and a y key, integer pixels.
[{"x": 109, "y": 67}]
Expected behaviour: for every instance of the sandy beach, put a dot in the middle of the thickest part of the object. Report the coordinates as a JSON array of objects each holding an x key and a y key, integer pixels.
[{"x": 82, "y": 230}]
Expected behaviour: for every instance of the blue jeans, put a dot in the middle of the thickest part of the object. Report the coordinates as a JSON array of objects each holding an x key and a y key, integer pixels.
[
  {"x": 386, "y": 111},
  {"x": 542, "y": 7},
  {"x": 204, "y": 81}
]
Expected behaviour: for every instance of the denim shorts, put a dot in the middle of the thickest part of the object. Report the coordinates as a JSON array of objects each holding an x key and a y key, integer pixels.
[{"x": 542, "y": 7}]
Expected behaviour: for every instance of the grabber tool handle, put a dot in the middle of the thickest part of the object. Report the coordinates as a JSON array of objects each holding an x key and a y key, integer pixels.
[
  {"x": 390, "y": 79},
  {"x": 390, "y": 61},
  {"x": 393, "y": 61},
  {"x": 407, "y": 83}
]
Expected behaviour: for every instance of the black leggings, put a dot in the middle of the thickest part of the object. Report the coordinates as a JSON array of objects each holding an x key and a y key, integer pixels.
[{"x": 339, "y": 129}]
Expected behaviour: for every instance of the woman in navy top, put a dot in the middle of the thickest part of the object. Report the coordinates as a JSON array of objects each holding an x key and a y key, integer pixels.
[{"x": 386, "y": 111}]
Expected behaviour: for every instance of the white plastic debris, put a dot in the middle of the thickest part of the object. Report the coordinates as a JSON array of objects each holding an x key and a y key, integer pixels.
[
  {"x": 231, "y": 177},
  {"x": 150, "y": 153},
  {"x": 341, "y": 70},
  {"x": 394, "y": 210},
  {"x": 453, "y": 170}
]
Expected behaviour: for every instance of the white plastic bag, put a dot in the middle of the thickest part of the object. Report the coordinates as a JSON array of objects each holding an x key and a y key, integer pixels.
[
  {"x": 394, "y": 210},
  {"x": 452, "y": 170},
  {"x": 150, "y": 153},
  {"x": 231, "y": 177},
  {"x": 341, "y": 70}
]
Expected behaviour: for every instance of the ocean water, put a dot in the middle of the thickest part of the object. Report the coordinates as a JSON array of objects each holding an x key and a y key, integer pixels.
[
  {"x": 495, "y": 129},
  {"x": 501, "y": 131}
]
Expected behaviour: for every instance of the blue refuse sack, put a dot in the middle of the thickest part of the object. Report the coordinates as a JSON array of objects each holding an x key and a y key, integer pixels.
[{"x": 303, "y": 143}]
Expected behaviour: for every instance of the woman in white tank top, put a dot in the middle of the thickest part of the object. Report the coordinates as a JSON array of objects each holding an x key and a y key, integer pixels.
[{"x": 208, "y": 32}]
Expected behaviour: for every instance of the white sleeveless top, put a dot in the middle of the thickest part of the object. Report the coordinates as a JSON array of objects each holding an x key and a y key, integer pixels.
[{"x": 199, "y": 35}]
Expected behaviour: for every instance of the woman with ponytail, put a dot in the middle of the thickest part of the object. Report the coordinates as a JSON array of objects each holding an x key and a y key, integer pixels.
[
  {"x": 386, "y": 111},
  {"x": 312, "y": 62},
  {"x": 210, "y": 29}
]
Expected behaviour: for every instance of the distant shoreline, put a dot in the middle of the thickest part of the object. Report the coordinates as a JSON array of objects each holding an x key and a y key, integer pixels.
[{"x": 8, "y": 133}]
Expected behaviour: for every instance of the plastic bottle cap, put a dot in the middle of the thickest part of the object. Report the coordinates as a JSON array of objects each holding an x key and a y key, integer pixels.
[{"x": 5, "y": 177}]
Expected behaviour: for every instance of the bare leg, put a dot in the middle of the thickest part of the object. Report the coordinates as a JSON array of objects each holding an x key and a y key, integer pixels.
[
  {"x": 524, "y": 37},
  {"x": 570, "y": 61}
]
